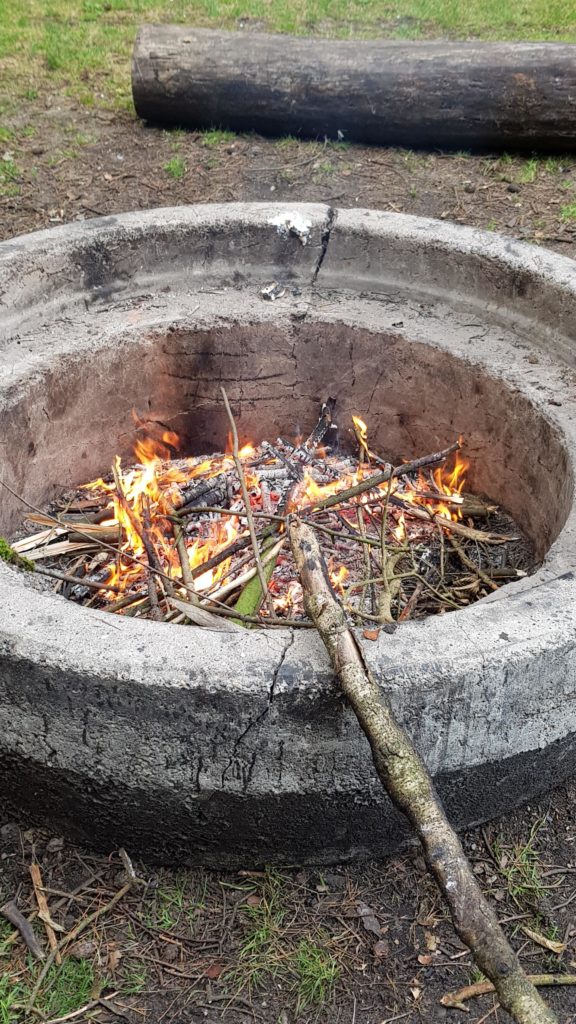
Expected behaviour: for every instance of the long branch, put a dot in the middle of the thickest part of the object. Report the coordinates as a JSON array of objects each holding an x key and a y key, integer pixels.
[{"x": 407, "y": 781}]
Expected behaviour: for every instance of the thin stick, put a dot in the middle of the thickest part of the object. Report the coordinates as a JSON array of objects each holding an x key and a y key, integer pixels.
[
  {"x": 245, "y": 496},
  {"x": 43, "y": 911},
  {"x": 74, "y": 1014},
  {"x": 469, "y": 564},
  {"x": 357, "y": 538},
  {"x": 55, "y": 574},
  {"x": 182, "y": 550},
  {"x": 11, "y": 913},
  {"x": 408, "y": 783},
  {"x": 457, "y": 999}
]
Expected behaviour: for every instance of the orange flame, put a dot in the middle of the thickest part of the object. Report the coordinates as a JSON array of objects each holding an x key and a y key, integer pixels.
[{"x": 151, "y": 492}]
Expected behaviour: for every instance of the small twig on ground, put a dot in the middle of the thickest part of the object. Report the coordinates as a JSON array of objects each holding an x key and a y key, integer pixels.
[
  {"x": 246, "y": 498},
  {"x": 14, "y": 916},
  {"x": 43, "y": 911},
  {"x": 480, "y": 988},
  {"x": 92, "y": 1005}
]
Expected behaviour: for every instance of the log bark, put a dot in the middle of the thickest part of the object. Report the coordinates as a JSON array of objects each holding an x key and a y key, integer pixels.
[
  {"x": 408, "y": 783},
  {"x": 429, "y": 94}
]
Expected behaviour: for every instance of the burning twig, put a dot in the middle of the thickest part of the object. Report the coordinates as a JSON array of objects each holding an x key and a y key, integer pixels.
[
  {"x": 406, "y": 779},
  {"x": 246, "y": 498},
  {"x": 82, "y": 581},
  {"x": 140, "y": 527},
  {"x": 370, "y": 482}
]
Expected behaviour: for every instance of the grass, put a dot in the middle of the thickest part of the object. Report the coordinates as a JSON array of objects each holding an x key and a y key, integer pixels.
[
  {"x": 215, "y": 136},
  {"x": 68, "y": 987},
  {"x": 9, "y": 186},
  {"x": 83, "y": 46},
  {"x": 568, "y": 212},
  {"x": 65, "y": 989},
  {"x": 528, "y": 171},
  {"x": 10, "y": 997},
  {"x": 305, "y": 964},
  {"x": 175, "y": 902},
  {"x": 520, "y": 867},
  {"x": 176, "y": 167}
]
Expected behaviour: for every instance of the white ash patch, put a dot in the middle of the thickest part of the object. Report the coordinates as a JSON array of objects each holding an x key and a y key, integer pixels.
[{"x": 292, "y": 224}]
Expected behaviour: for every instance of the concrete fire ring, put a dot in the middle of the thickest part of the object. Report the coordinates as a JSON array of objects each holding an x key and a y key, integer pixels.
[{"x": 198, "y": 747}]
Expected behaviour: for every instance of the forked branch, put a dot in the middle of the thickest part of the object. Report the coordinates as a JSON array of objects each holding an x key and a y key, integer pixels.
[{"x": 408, "y": 783}]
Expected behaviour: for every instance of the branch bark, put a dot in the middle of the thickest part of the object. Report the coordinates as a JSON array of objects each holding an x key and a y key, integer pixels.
[{"x": 408, "y": 783}]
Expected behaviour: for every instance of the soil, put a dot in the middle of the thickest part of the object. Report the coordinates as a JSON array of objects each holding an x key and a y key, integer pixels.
[
  {"x": 190, "y": 947},
  {"x": 78, "y": 163}
]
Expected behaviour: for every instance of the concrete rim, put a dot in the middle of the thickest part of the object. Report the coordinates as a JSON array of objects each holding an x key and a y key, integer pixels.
[{"x": 477, "y": 688}]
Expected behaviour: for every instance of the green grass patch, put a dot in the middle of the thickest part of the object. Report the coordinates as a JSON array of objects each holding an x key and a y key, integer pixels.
[
  {"x": 304, "y": 964},
  {"x": 84, "y": 46},
  {"x": 528, "y": 171},
  {"x": 215, "y": 136},
  {"x": 520, "y": 866},
  {"x": 9, "y": 186},
  {"x": 68, "y": 987},
  {"x": 176, "y": 167},
  {"x": 316, "y": 973},
  {"x": 11, "y": 995},
  {"x": 568, "y": 212}
]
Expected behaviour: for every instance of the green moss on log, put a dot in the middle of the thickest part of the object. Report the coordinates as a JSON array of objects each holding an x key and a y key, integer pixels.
[{"x": 7, "y": 554}]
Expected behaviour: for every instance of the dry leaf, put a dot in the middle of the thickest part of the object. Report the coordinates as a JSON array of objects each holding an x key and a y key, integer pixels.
[
  {"x": 425, "y": 959},
  {"x": 371, "y": 634},
  {"x": 214, "y": 971},
  {"x": 416, "y": 993},
  {"x": 554, "y": 947},
  {"x": 114, "y": 957},
  {"x": 368, "y": 918},
  {"x": 83, "y": 950},
  {"x": 431, "y": 942},
  {"x": 253, "y": 901}
]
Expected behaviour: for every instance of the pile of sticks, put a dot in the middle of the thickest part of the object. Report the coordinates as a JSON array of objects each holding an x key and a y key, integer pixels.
[{"x": 211, "y": 548}]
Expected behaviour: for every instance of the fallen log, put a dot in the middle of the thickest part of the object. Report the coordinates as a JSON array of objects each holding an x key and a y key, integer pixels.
[
  {"x": 431, "y": 94},
  {"x": 408, "y": 783}
]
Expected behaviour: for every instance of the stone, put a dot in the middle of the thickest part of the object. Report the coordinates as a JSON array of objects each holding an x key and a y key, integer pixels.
[{"x": 235, "y": 750}]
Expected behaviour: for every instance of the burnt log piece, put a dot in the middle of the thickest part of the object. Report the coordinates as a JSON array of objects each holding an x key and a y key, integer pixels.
[{"x": 430, "y": 94}]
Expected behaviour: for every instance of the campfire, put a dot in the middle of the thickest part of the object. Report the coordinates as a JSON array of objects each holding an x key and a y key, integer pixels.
[{"x": 203, "y": 540}]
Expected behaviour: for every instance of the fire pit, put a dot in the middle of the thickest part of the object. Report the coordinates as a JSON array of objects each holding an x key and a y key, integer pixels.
[{"x": 225, "y": 748}]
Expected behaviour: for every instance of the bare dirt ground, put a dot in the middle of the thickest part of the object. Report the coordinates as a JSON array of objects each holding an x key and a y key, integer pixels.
[
  {"x": 77, "y": 163},
  {"x": 361, "y": 944}
]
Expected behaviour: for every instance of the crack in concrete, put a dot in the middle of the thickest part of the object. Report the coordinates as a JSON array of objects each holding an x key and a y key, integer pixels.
[
  {"x": 330, "y": 221},
  {"x": 256, "y": 721}
]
